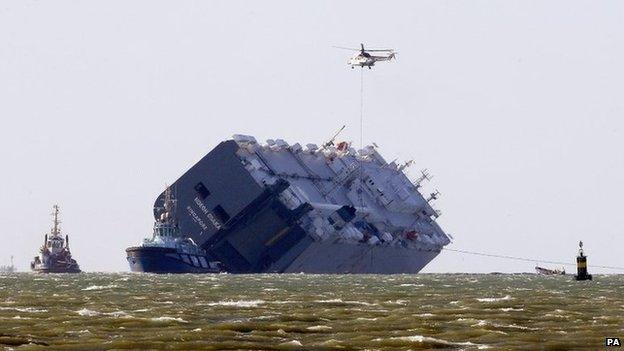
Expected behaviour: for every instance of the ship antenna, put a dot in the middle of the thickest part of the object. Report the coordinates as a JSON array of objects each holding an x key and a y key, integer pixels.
[
  {"x": 331, "y": 141},
  {"x": 56, "y": 230}
]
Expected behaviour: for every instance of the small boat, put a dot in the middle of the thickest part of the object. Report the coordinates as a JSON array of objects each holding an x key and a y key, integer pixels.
[
  {"x": 54, "y": 256},
  {"x": 546, "y": 271}
]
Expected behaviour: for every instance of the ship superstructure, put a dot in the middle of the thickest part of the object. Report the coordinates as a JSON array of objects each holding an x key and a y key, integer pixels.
[
  {"x": 167, "y": 250},
  {"x": 54, "y": 255},
  {"x": 277, "y": 207}
]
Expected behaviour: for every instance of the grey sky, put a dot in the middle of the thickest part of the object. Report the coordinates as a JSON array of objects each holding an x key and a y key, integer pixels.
[{"x": 515, "y": 107}]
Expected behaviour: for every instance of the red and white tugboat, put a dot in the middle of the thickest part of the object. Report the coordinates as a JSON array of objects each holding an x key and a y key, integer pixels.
[{"x": 54, "y": 256}]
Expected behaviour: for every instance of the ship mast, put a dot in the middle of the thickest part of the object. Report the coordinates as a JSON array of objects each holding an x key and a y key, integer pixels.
[{"x": 56, "y": 230}]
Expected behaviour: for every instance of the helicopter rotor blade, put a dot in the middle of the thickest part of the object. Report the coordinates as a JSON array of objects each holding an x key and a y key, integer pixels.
[{"x": 345, "y": 48}]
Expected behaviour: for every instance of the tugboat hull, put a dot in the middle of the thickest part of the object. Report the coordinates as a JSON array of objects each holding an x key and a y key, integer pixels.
[
  {"x": 57, "y": 270},
  {"x": 167, "y": 260},
  {"x": 55, "y": 267}
]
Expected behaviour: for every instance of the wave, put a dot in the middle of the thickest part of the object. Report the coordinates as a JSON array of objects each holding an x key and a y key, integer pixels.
[
  {"x": 319, "y": 328},
  {"x": 240, "y": 303},
  {"x": 99, "y": 287},
  {"x": 285, "y": 302},
  {"x": 88, "y": 313},
  {"x": 434, "y": 342},
  {"x": 20, "y": 317},
  {"x": 480, "y": 323},
  {"x": 142, "y": 310},
  {"x": 168, "y": 319},
  {"x": 85, "y": 312},
  {"x": 347, "y": 302},
  {"x": 397, "y": 302},
  {"x": 494, "y": 299},
  {"x": 118, "y": 314},
  {"x": 292, "y": 343},
  {"x": 78, "y": 332},
  {"x": 508, "y": 309},
  {"x": 515, "y": 326},
  {"x": 23, "y": 309}
]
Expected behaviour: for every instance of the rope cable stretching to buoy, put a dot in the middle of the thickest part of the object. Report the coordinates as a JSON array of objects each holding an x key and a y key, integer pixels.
[{"x": 527, "y": 259}]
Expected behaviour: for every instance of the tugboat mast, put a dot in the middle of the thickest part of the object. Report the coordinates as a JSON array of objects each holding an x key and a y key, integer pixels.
[{"x": 56, "y": 230}]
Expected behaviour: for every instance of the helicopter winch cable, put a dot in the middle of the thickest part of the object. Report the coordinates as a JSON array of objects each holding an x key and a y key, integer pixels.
[
  {"x": 361, "y": 133},
  {"x": 527, "y": 259}
]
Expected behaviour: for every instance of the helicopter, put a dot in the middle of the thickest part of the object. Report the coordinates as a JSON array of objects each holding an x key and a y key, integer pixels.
[{"x": 364, "y": 59}]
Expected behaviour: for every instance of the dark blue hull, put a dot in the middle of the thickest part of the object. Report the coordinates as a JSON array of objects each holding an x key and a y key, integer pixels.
[{"x": 167, "y": 260}]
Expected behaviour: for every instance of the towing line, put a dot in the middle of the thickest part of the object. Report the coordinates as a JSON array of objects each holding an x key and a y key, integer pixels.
[{"x": 526, "y": 259}]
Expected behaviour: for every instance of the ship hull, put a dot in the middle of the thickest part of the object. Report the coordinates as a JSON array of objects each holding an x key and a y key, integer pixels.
[
  {"x": 56, "y": 269},
  {"x": 317, "y": 258},
  {"x": 339, "y": 258},
  {"x": 166, "y": 260}
]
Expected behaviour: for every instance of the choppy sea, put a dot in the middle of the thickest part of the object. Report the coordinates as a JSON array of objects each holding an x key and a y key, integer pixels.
[{"x": 91, "y": 311}]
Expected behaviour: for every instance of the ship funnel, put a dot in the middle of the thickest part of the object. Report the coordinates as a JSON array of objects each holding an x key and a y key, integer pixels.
[
  {"x": 45, "y": 240},
  {"x": 67, "y": 241}
]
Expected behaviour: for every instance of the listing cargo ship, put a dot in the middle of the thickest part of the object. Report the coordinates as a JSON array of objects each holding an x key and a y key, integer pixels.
[
  {"x": 54, "y": 256},
  {"x": 168, "y": 251},
  {"x": 283, "y": 208}
]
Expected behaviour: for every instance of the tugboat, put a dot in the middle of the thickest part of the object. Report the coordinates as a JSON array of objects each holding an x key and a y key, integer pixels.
[
  {"x": 54, "y": 256},
  {"x": 167, "y": 251},
  {"x": 8, "y": 269}
]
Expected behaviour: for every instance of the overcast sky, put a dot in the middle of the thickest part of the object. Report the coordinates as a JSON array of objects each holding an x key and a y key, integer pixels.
[{"x": 516, "y": 108}]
